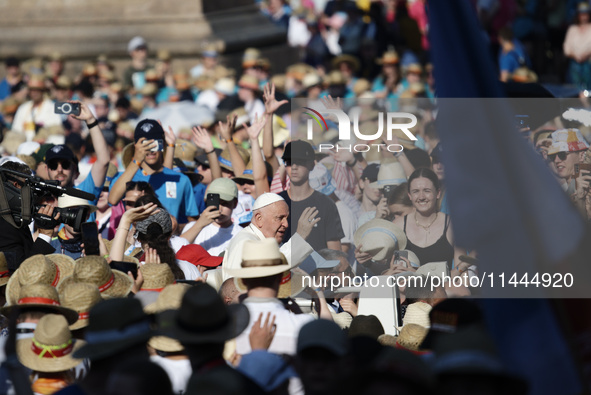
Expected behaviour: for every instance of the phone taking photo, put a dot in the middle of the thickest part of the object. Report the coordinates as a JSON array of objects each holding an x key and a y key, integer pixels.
[
  {"x": 213, "y": 199},
  {"x": 90, "y": 238}
]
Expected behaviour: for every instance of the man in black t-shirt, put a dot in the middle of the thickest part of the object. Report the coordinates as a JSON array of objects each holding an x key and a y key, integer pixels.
[{"x": 303, "y": 200}]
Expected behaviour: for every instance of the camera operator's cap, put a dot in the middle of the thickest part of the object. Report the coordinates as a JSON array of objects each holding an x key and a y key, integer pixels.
[
  {"x": 371, "y": 172},
  {"x": 321, "y": 180},
  {"x": 162, "y": 218},
  {"x": 316, "y": 261},
  {"x": 65, "y": 201},
  {"x": 567, "y": 140},
  {"x": 136, "y": 43},
  {"x": 299, "y": 149},
  {"x": 225, "y": 187},
  {"x": 389, "y": 174},
  {"x": 266, "y": 199},
  {"x": 380, "y": 238},
  {"x": 149, "y": 129},
  {"x": 322, "y": 334},
  {"x": 60, "y": 152}
]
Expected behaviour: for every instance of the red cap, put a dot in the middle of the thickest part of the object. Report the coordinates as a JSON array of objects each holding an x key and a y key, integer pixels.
[{"x": 198, "y": 256}]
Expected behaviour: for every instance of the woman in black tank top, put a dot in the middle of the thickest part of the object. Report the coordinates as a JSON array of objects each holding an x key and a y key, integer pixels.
[{"x": 427, "y": 229}]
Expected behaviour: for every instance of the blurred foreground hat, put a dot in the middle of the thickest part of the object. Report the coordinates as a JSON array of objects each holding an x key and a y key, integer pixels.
[
  {"x": 322, "y": 334},
  {"x": 169, "y": 299},
  {"x": 346, "y": 58},
  {"x": 136, "y": 43}
]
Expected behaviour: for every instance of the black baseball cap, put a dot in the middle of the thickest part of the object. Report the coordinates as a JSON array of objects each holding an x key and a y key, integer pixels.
[
  {"x": 60, "y": 152},
  {"x": 371, "y": 172},
  {"x": 150, "y": 129},
  {"x": 299, "y": 149}
]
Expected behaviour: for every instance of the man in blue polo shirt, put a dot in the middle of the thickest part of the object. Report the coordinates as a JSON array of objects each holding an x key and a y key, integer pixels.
[{"x": 172, "y": 188}]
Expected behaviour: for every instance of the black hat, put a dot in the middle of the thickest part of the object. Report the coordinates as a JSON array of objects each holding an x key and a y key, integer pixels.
[
  {"x": 449, "y": 316},
  {"x": 149, "y": 129},
  {"x": 115, "y": 325},
  {"x": 12, "y": 62},
  {"x": 204, "y": 318},
  {"x": 371, "y": 172},
  {"x": 59, "y": 152},
  {"x": 299, "y": 149}
]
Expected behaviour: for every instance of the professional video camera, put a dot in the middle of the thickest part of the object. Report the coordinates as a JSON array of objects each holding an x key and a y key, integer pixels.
[{"x": 19, "y": 206}]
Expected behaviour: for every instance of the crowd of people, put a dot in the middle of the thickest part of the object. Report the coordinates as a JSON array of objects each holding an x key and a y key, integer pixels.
[{"x": 218, "y": 241}]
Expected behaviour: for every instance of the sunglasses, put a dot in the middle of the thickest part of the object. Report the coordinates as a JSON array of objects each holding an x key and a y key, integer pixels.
[
  {"x": 129, "y": 203},
  {"x": 141, "y": 186},
  {"x": 66, "y": 164},
  {"x": 242, "y": 181},
  {"x": 561, "y": 156}
]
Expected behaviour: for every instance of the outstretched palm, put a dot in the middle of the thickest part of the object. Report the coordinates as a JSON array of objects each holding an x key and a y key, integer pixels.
[
  {"x": 256, "y": 127},
  {"x": 201, "y": 139},
  {"x": 271, "y": 104}
]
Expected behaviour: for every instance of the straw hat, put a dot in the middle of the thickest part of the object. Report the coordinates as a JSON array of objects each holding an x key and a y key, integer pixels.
[
  {"x": 361, "y": 86},
  {"x": 524, "y": 75},
  {"x": 247, "y": 174},
  {"x": 95, "y": 270},
  {"x": 186, "y": 151},
  {"x": 291, "y": 283},
  {"x": 411, "y": 336},
  {"x": 346, "y": 58},
  {"x": 169, "y": 299},
  {"x": 310, "y": 80},
  {"x": 280, "y": 132},
  {"x": 63, "y": 82},
  {"x": 224, "y": 158},
  {"x": 380, "y": 238},
  {"x": 11, "y": 142},
  {"x": 418, "y": 313},
  {"x": 80, "y": 297},
  {"x": 4, "y": 272},
  {"x": 260, "y": 258},
  {"x": 72, "y": 201},
  {"x": 389, "y": 57},
  {"x": 40, "y": 297},
  {"x": 51, "y": 348},
  {"x": 413, "y": 68},
  {"x": 127, "y": 154},
  {"x": 249, "y": 82},
  {"x": 10, "y": 105},
  {"x": 156, "y": 276},
  {"x": 390, "y": 174},
  {"x": 39, "y": 269},
  {"x": 36, "y": 82}
]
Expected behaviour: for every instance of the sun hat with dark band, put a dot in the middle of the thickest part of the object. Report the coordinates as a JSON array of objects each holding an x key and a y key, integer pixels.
[
  {"x": 260, "y": 258},
  {"x": 95, "y": 270},
  {"x": 80, "y": 297},
  {"x": 49, "y": 269},
  {"x": 114, "y": 325},
  {"x": 40, "y": 297},
  {"x": 380, "y": 238},
  {"x": 51, "y": 348}
]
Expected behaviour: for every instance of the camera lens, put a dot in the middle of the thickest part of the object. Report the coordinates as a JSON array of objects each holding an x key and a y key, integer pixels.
[{"x": 66, "y": 108}]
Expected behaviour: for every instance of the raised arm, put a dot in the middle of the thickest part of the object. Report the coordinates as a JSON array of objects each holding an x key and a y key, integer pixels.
[
  {"x": 99, "y": 168},
  {"x": 202, "y": 140},
  {"x": 129, "y": 217},
  {"x": 271, "y": 105},
  {"x": 259, "y": 171},
  {"x": 170, "y": 139},
  {"x": 226, "y": 130}
]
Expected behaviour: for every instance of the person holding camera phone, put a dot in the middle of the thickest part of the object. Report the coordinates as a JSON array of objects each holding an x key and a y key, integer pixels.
[{"x": 173, "y": 189}]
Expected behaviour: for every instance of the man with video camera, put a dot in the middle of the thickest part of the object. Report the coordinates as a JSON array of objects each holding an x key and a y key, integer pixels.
[{"x": 17, "y": 243}]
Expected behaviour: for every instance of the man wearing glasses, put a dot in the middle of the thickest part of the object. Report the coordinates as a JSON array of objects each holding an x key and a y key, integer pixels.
[{"x": 565, "y": 154}]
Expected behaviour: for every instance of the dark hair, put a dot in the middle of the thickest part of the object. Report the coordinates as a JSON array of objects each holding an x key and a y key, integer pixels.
[
  {"x": 425, "y": 173},
  {"x": 399, "y": 195},
  {"x": 149, "y": 377},
  {"x": 505, "y": 33},
  {"x": 144, "y": 187},
  {"x": 418, "y": 158},
  {"x": 12, "y": 62},
  {"x": 431, "y": 131},
  {"x": 155, "y": 238},
  {"x": 85, "y": 87},
  {"x": 123, "y": 102},
  {"x": 16, "y": 166}
]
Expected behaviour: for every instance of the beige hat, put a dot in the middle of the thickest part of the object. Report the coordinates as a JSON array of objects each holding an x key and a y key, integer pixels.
[
  {"x": 310, "y": 80},
  {"x": 380, "y": 238},
  {"x": 11, "y": 142},
  {"x": 71, "y": 201},
  {"x": 260, "y": 258},
  {"x": 224, "y": 187},
  {"x": 80, "y": 297},
  {"x": 95, "y": 270},
  {"x": 418, "y": 313},
  {"x": 226, "y": 163},
  {"x": 111, "y": 173},
  {"x": 42, "y": 297},
  {"x": 169, "y": 299},
  {"x": 247, "y": 174},
  {"x": 361, "y": 86},
  {"x": 389, "y": 174},
  {"x": 411, "y": 336},
  {"x": 4, "y": 273},
  {"x": 156, "y": 276},
  {"x": 39, "y": 269},
  {"x": 51, "y": 347},
  {"x": 389, "y": 57},
  {"x": 185, "y": 150},
  {"x": 226, "y": 86},
  {"x": 249, "y": 82},
  {"x": 292, "y": 283}
]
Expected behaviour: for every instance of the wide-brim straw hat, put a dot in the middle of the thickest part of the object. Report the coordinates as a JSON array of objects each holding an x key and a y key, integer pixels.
[
  {"x": 389, "y": 57},
  {"x": 411, "y": 336},
  {"x": 225, "y": 159},
  {"x": 80, "y": 297},
  {"x": 65, "y": 201},
  {"x": 156, "y": 276},
  {"x": 49, "y": 269},
  {"x": 169, "y": 299},
  {"x": 389, "y": 174},
  {"x": 418, "y": 313},
  {"x": 292, "y": 283},
  {"x": 42, "y": 297},
  {"x": 346, "y": 58},
  {"x": 95, "y": 270},
  {"x": 51, "y": 348},
  {"x": 380, "y": 238},
  {"x": 260, "y": 258},
  {"x": 4, "y": 272}
]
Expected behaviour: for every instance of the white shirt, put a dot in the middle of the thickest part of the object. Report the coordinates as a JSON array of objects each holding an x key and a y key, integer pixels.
[
  {"x": 348, "y": 221},
  {"x": 214, "y": 238},
  {"x": 295, "y": 250},
  {"x": 179, "y": 371},
  {"x": 208, "y": 98},
  {"x": 190, "y": 270},
  {"x": 26, "y": 117},
  {"x": 288, "y": 325}
]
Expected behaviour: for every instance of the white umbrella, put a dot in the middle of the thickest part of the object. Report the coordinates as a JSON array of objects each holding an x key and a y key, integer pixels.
[{"x": 179, "y": 116}]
